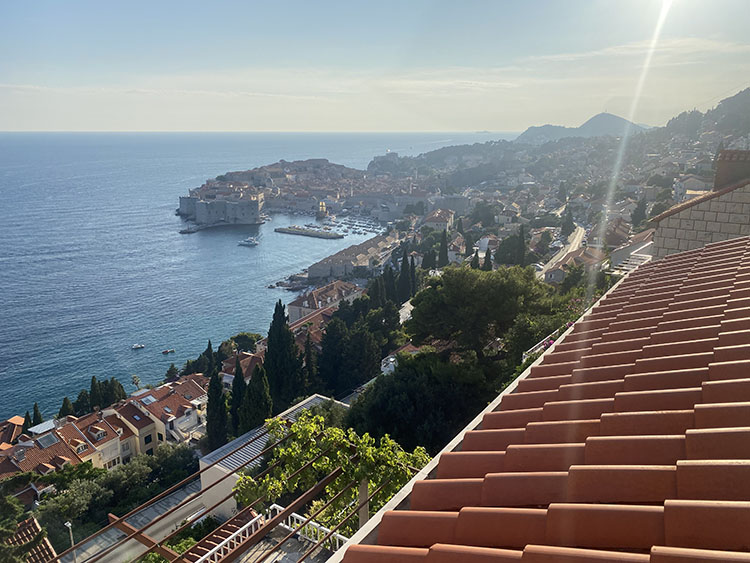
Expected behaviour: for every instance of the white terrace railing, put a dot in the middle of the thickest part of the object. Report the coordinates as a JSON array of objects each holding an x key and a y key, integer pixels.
[
  {"x": 227, "y": 545},
  {"x": 311, "y": 531}
]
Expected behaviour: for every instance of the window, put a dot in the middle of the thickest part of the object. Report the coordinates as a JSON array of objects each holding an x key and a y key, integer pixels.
[
  {"x": 126, "y": 446},
  {"x": 160, "y": 436},
  {"x": 148, "y": 439},
  {"x": 81, "y": 448},
  {"x": 171, "y": 425},
  {"x": 150, "y": 451}
]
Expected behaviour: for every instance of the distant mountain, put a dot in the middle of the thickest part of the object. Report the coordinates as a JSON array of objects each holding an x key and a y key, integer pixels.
[{"x": 600, "y": 125}]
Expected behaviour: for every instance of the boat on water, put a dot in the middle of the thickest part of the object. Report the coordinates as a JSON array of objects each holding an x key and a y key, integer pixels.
[
  {"x": 137, "y": 346},
  {"x": 249, "y": 241},
  {"x": 168, "y": 351}
]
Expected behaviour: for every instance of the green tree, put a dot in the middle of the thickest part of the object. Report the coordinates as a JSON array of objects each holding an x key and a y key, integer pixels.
[
  {"x": 404, "y": 281},
  {"x": 95, "y": 393},
  {"x": 311, "y": 381},
  {"x": 361, "y": 360},
  {"x": 487, "y": 264},
  {"x": 568, "y": 225},
  {"x": 282, "y": 362},
  {"x": 638, "y": 215},
  {"x": 384, "y": 465},
  {"x": 82, "y": 404},
  {"x": 469, "y": 244},
  {"x": 333, "y": 355},
  {"x": 66, "y": 408},
  {"x": 172, "y": 372},
  {"x": 442, "y": 260},
  {"x": 521, "y": 249},
  {"x": 26, "y": 423},
  {"x": 246, "y": 341},
  {"x": 37, "y": 419},
  {"x": 216, "y": 414},
  {"x": 11, "y": 513},
  {"x": 562, "y": 192},
  {"x": 257, "y": 404},
  {"x": 429, "y": 262},
  {"x": 475, "y": 260},
  {"x": 238, "y": 394},
  {"x": 413, "y": 276},
  {"x": 136, "y": 381},
  {"x": 460, "y": 225},
  {"x": 542, "y": 246}
]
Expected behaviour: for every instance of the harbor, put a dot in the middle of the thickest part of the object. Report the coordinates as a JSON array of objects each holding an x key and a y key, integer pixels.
[{"x": 308, "y": 232}]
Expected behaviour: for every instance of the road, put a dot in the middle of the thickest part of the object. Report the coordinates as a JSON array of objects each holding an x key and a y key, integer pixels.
[{"x": 574, "y": 243}]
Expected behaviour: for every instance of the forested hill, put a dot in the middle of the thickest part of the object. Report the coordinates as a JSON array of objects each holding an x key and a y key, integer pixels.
[{"x": 600, "y": 125}]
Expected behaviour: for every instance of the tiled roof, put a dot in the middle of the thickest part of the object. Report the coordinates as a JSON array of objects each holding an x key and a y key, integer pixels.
[
  {"x": 11, "y": 429},
  {"x": 628, "y": 441},
  {"x": 696, "y": 200},
  {"x": 123, "y": 429},
  {"x": 27, "y": 531},
  {"x": 134, "y": 416},
  {"x": 326, "y": 295},
  {"x": 439, "y": 216},
  {"x": 91, "y": 425},
  {"x": 49, "y": 449}
]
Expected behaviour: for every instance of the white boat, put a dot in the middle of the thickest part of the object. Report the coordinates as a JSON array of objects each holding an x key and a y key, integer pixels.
[
  {"x": 249, "y": 241},
  {"x": 137, "y": 346}
]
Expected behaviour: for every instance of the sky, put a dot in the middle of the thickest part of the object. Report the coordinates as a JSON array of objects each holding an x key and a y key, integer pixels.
[{"x": 411, "y": 65}]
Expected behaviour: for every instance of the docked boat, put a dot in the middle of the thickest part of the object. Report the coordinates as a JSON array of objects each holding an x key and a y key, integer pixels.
[
  {"x": 168, "y": 351},
  {"x": 249, "y": 241},
  {"x": 137, "y": 346}
]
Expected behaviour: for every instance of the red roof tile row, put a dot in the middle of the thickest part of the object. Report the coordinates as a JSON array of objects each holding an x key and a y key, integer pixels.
[{"x": 629, "y": 441}]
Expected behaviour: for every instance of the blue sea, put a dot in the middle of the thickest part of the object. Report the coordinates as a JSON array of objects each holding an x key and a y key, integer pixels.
[{"x": 91, "y": 260}]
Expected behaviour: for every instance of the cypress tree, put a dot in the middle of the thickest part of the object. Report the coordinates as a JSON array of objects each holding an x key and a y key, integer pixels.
[
  {"x": 216, "y": 414},
  {"x": 475, "y": 260},
  {"x": 37, "y": 419},
  {"x": 26, "y": 423},
  {"x": 568, "y": 225},
  {"x": 374, "y": 291},
  {"x": 95, "y": 393},
  {"x": 487, "y": 264},
  {"x": 428, "y": 262},
  {"x": 333, "y": 355},
  {"x": 443, "y": 253},
  {"x": 66, "y": 408},
  {"x": 238, "y": 394},
  {"x": 82, "y": 404},
  {"x": 460, "y": 225},
  {"x": 282, "y": 363},
  {"x": 312, "y": 384},
  {"x": 257, "y": 404},
  {"x": 389, "y": 279},
  {"x": 469, "y": 244},
  {"x": 404, "y": 281},
  {"x": 413, "y": 276},
  {"x": 208, "y": 353}
]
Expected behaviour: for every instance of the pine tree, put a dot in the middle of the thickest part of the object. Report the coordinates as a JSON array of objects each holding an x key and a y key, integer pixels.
[
  {"x": 312, "y": 384},
  {"x": 442, "y": 260},
  {"x": 66, "y": 408},
  {"x": 475, "y": 260},
  {"x": 172, "y": 372},
  {"x": 460, "y": 225},
  {"x": 404, "y": 282},
  {"x": 238, "y": 394},
  {"x": 216, "y": 414},
  {"x": 82, "y": 404},
  {"x": 487, "y": 264},
  {"x": 37, "y": 419},
  {"x": 282, "y": 362},
  {"x": 257, "y": 404},
  {"x": 95, "y": 393},
  {"x": 26, "y": 423},
  {"x": 413, "y": 276}
]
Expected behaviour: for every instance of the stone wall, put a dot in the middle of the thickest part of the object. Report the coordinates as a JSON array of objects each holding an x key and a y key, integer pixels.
[{"x": 721, "y": 218}]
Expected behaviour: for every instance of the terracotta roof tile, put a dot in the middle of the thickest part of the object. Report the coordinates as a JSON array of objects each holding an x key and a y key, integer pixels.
[
  {"x": 27, "y": 531},
  {"x": 629, "y": 440}
]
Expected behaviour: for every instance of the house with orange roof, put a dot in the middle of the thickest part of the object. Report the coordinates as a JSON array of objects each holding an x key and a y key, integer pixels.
[
  {"x": 143, "y": 427},
  {"x": 11, "y": 429},
  {"x": 329, "y": 295},
  {"x": 248, "y": 361},
  {"x": 440, "y": 219},
  {"x": 93, "y": 438}
]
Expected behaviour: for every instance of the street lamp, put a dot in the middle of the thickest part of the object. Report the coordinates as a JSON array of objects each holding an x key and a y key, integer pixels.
[{"x": 69, "y": 526}]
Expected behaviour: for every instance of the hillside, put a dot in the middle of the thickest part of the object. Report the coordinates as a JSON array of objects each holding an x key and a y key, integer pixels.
[{"x": 601, "y": 125}]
